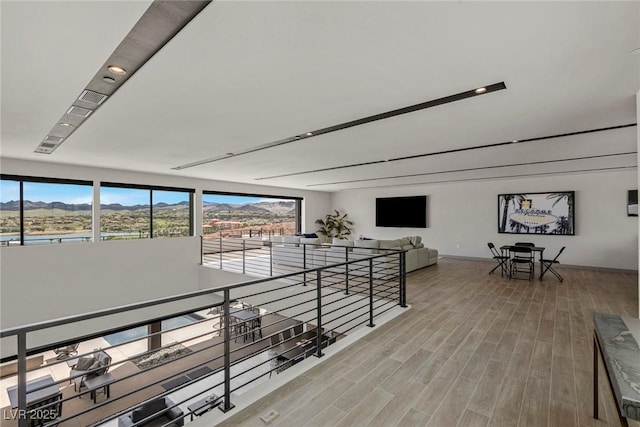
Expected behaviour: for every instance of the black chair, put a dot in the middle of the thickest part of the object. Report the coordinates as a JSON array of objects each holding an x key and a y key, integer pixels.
[
  {"x": 502, "y": 260},
  {"x": 298, "y": 329},
  {"x": 521, "y": 261},
  {"x": 547, "y": 265},
  {"x": 286, "y": 334}
]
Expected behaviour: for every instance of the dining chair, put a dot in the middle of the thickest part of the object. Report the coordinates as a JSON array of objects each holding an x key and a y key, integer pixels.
[
  {"x": 286, "y": 334},
  {"x": 502, "y": 260},
  {"x": 66, "y": 351},
  {"x": 256, "y": 322},
  {"x": 547, "y": 265},
  {"x": 297, "y": 329},
  {"x": 521, "y": 261}
]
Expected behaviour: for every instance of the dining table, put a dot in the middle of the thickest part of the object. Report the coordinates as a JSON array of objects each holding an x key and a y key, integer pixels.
[
  {"x": 298, "y": 347},
  {"x": 506, "y": 249},
  {"x": 246, "y": 316}
]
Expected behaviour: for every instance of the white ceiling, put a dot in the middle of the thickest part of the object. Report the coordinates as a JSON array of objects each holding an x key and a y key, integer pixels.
[{"x": 243, "y": 74}]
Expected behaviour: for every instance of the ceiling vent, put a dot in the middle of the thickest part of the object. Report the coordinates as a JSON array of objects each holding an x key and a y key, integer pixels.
[
  {"x": 53, "y": 139},
  {"x": 92, "y": 97},
  {"x": 47, "y": 145},
  {"x": 79, "y": 111}
]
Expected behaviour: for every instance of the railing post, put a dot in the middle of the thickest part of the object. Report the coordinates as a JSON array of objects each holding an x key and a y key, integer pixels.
[
  {"x": 319, "y": 309},
  {"x": 22, "y": 379},
  {"x": 371, "y": 324},
  {"x": 270, "y": 257},
  {"x": 304, "y": 264},
  {"x": 346, "y": 271},
  {"x": 201, "y": 250},
  {"x": 402, "y": 267},
  {"x": 227, "y": 405},
  {"x": 244, "y": 246},
  {"x": 220, "y": 252}
]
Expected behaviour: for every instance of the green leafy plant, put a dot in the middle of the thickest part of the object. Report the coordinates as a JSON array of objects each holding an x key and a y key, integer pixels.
[{"x": 335, "y": 225}]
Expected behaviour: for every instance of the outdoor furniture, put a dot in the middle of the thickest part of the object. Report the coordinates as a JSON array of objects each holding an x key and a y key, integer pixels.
[
  {"x": 99, "y": 383},
  {"x": 160, "y": 411},
  {"x": 66, "y": 351},
  {"x": 204, "y": 405},
  {"x": 89, "y": 367},
  {"x": 547, "y": 265},
  {"x": 243, "y": 318},
  {"x": 44, "y": 404}
]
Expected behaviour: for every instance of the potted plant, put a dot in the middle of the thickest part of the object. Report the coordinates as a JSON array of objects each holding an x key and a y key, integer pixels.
[{"x": 335, "y": 225}]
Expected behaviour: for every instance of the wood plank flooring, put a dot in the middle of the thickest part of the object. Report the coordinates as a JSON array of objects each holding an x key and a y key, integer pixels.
[{"x": 474, "y": 350}]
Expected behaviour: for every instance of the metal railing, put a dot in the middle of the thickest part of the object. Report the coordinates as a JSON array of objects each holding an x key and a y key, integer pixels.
[{"x": 295, "y": 315}]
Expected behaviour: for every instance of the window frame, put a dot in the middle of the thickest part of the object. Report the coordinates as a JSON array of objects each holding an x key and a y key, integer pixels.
[
  {"x": 151, "y": 189},
  {"x": 298, "y": 200},
  {"x": 21, "y": 179}
]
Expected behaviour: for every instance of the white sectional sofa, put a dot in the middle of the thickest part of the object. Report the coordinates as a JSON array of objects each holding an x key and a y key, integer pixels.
[{"x": 291, "y": 250}]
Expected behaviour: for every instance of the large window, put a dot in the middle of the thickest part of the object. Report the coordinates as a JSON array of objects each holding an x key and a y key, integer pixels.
[
  {"x": 44, "y": 210},
  {"x": 248, "y": 215},
  {"x": 136, "y": 212}
]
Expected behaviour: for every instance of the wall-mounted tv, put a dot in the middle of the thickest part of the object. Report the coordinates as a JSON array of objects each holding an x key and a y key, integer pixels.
[
  {"x": 407, "y": 212},
  {"x": 537, "y": 213},
  {"x": 632, "y": 203}
]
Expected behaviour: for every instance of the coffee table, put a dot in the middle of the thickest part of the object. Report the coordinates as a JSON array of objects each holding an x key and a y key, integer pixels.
[{"x": 204, "y": 405}]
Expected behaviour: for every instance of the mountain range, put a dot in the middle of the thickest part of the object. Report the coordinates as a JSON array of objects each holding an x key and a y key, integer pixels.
[{"x": 280, "y": 207}]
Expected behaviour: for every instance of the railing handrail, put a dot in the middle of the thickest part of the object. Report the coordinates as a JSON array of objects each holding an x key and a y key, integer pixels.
[{"x": 163, "y": 300}]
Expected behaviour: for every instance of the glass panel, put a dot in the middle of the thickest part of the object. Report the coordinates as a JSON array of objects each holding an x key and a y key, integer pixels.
[
  {"x": 171, "y": 214},
  {"x": 9, "y": 212},
  {"x": 124, "y": 213},
  {"x": 57, "y": 213},
  {"x": 247, "y": 216}
]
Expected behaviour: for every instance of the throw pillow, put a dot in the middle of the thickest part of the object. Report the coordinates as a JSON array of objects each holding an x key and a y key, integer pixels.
[{"x": 84, "y": 363}]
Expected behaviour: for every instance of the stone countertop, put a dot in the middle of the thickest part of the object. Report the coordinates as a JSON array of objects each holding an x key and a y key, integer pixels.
[{"x": 618, "y": 337}]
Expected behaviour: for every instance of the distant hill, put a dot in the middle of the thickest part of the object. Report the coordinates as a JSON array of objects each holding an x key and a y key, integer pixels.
[
  {"x": 260, "y": 207},
  {"x": 280, "y": 208},
  {"x": 14, "y": 205}
]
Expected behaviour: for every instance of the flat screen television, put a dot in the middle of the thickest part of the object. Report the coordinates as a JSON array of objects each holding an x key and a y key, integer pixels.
[
  {"x": 407, "y": 212},
  {"x": 537, "y": 213}
]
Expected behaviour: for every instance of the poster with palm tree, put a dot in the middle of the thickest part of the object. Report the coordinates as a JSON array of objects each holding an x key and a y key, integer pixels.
[{"x": 537, "y": 213}]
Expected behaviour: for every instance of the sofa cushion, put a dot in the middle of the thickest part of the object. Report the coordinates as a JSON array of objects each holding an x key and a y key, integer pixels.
[
  {"x": 418, "y": 245},
  {"x": 407, "y": 247},
  {"x": 291, "y": 241},
  {"x": 84, "y": 363},
  {"x": 340, "y": 244},
  {"x": 154, "y": 407},
  {"x": 389, "y": 244},
  {"x": 414, "y": 240},
  {"x": 404, "y": 241},
  {"x": 366, "y": 247},
  {"x": 310, "y": 241}
]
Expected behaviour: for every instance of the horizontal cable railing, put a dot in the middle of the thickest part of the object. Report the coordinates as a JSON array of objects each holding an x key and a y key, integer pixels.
[{"x": 201, "y": 358}]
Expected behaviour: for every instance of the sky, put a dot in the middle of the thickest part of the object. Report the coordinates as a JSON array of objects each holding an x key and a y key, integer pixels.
[{"x": 76, "y": 194}]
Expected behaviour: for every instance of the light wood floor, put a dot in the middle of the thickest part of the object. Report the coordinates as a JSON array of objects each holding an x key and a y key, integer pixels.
[{"x": 474, "y": 350}]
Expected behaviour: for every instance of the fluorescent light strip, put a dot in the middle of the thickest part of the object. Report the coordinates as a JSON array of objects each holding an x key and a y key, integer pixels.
[
  {"x": 474, "y": 169},
  {"x": 455, "y": 150},
  {"x": 428, "y": 104}
]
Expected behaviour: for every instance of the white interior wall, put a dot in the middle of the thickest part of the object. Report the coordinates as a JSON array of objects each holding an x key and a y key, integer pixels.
[
  {"x": 463, "y": 217},
  {"x": 43, "y": 282}
]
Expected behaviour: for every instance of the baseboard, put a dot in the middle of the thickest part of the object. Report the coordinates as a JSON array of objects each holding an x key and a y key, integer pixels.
[{"x": 582, "y": 267}]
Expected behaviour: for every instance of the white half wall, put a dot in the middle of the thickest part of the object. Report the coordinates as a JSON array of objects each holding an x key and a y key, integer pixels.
[
  {"x": 43, "y": 282},
  {"x": 463, "y": 217}
]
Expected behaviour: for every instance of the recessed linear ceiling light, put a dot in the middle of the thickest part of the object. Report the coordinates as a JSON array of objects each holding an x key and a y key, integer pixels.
[
  {"x": 386, "y": 115},
  {"x": 115, "y": 69},
  {"x": 480, "y": 90},
  {"x": 160, "y": 23},
  {"x": 66, "y": 125},
  {"x": 450, "y": 151},
  {"x": 635, "y": 51}
]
